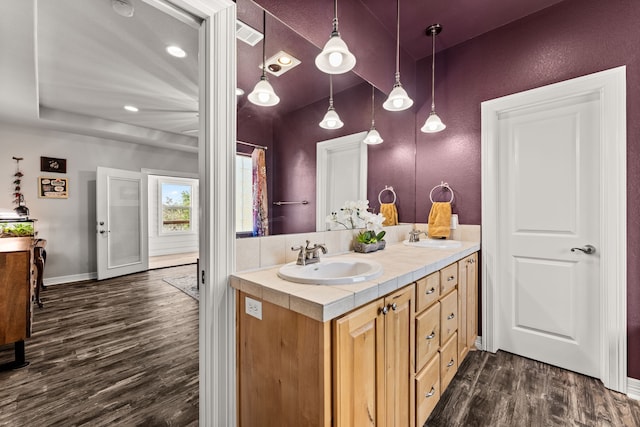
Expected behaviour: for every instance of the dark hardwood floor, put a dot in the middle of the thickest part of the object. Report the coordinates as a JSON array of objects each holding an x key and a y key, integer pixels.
[
  {"x": 124, "y": 352},
  {"x": 120, "y": 352},
  {"x": 505, "y": 390}
]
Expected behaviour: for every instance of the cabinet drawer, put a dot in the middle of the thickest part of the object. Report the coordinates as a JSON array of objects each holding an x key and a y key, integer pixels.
[
  {"x": 448, "y": 361},
  {"x": 428, "y": 291},
  {"x": 448, "y": 316},
  {"x": 427, "y": 335},
  {"x": 427, "y": 390},
  {"x": 448, "y": 278}
]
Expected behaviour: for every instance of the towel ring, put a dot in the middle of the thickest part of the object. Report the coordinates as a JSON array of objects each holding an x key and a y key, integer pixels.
[
  {"x": 441, "y": 185},
  {"x": 386, "y": 188}
]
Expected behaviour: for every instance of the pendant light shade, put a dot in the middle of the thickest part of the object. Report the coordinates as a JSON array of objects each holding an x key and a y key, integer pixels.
[
  {"x": 433, "y": 123},
  {"x": 331, "y": 119},
  {"x": 373, "y": 136},
  {"x": 335, "y": 57},
  {"x": 263, "y": 93},
  {"x": 398, "y": 99}
]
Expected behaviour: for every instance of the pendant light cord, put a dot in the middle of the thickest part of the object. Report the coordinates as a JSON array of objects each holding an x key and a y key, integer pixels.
[
  {"x": 264, "y": 43},
  {"x": 373, "y": 100},
  {"x": 330, "y": 91},
  {"x": 398, "y": 43},
  {"x": 335, "y": 19},
  {"x": 433, "y": 71}
]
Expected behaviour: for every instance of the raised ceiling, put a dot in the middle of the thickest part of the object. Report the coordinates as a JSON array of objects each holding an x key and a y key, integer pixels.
[{"x": 90, "y": 61}]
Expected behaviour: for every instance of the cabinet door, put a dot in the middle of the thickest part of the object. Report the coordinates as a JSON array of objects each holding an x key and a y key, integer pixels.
[
  {"x": 448, "y": 316},
  {"x": 472, "y": 300},
  {"x": 427, "y": 291},
  {"x": 463, "y": 313},
  {"x": 358, "y": 374},
  {"x": 399, "y": 339},
  {"x": 427, "y": 389},
  {"x": 448, "y": 278},
  {"x": 427, "y": 335},
  {"x": 448, "y": 361}
]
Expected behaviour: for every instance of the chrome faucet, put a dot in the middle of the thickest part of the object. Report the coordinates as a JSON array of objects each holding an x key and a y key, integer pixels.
[
  {"x": 309, "y": 255},
  {"x": 414, "y": 235}
]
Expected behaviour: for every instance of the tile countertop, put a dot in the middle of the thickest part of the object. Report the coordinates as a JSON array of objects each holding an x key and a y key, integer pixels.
[{"x": 401, "y": 264}]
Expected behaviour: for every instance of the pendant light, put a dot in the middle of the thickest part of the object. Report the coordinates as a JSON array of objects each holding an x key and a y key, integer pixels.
[
  {"x": 398, "y": 99},
  {"x": 433, "y": 123},
  {"x": 335, "y": 57},
  {"x": 263, "y": 93},
  {"x": 331, "y": 119},
  {"x": 373, "y": 137}
]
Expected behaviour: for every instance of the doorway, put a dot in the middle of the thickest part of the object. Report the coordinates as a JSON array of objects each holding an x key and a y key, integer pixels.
[{"x": 548, "y": 190}]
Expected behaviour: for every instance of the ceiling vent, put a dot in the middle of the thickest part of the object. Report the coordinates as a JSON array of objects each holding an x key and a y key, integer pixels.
[{"x": 247, "y": 34}]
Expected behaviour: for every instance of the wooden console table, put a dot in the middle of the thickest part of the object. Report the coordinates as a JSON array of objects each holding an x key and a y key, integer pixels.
[{"x": 18, "y": 277}]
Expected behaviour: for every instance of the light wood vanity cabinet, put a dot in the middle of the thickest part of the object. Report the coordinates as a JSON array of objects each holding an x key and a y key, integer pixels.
[
  {"x": 383, "y": 364},
  {"x": 372, "y": 353}
]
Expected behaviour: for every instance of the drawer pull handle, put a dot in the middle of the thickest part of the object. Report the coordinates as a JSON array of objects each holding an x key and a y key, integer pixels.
[
  {"x": 431, "y": 393},
  {"x": 451, "y": 316},
  {"x": 430, "y": 291},
  {"x": 450, "y": 364},
  {"x": 450, "y": 278},
  {"x": 431, "y": 336}
]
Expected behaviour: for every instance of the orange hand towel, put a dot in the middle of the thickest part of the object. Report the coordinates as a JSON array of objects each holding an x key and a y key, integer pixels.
[
  {"x": 440, "y": 220},
  {"x": 390, "y": 213}
]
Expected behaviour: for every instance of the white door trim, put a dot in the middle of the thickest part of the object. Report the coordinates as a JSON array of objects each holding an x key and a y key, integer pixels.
[
  {"x": 217, "y": 83},
  {"x": 610, "y": 87},
  {"x": 322, "y": 151}
]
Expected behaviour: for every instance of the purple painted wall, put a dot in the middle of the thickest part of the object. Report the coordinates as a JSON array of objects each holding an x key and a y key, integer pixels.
[
  {"x": 391, "y": 163},
  {"x": 571, "y": 39}
]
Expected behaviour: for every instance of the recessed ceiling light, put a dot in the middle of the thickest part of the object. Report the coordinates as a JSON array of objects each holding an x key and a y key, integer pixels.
[
  {"x": 280, "y": 63},
  {"x": 131, "y": 108},
  {"x": 239, "y": 92},
  {"x": 284, "y": 60},
  {"x": 176, "y": 51},
  {"x": 122, "y": 8}
]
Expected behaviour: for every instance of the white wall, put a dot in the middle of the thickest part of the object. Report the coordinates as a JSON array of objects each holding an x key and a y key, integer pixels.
[
  {"x": 163, "y": 244},
  {"x": 69, "y": 224}
]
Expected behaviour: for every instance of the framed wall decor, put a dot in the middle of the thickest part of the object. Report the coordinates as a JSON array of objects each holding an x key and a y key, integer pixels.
[
  {"x": 51, "y": 164},
  {"x": 53, "y": 188}
]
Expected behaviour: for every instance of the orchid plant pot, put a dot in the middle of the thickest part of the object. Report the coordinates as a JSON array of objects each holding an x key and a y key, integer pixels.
[{"x": 365, "y": 247}]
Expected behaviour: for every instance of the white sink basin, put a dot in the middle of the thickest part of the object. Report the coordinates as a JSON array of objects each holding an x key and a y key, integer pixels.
[
  {"x": 339, "y": 271},
  {"x": 435, "y": 243}
]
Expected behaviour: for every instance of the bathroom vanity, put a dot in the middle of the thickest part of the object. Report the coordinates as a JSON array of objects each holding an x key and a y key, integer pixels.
[{"x": 378, "y": 352}]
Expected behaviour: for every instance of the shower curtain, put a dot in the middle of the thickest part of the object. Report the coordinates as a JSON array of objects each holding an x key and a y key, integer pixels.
[{"x": 260, "y": 202}]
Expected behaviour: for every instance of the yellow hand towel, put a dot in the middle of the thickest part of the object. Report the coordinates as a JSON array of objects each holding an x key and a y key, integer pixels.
[
  {"x": 440, "y": 220},
  {"x": 390, "y": 213}
]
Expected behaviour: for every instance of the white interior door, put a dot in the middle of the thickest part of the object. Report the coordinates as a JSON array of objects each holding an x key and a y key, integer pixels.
[
  {"x": 121, "y": 214},
  {"x": 341, "y": 175},
  {"x": 551, "y": 192}
]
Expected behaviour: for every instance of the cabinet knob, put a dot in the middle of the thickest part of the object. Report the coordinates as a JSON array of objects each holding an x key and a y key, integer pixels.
[
  {"x": 394, "y": 306},
  {"x": 431, "y": 393},
  {"x": 451, "y": 363},
  {"x": 450, "y": 278},
  {"x": 451, "y": 316},
  {"x": 430, "y": 291},
  {"x": 431, "y": 336},
  {"x": 384, "y": 310}
]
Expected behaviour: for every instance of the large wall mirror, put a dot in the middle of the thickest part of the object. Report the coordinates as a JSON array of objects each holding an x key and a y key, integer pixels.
[{"x": 290, "y": 130}]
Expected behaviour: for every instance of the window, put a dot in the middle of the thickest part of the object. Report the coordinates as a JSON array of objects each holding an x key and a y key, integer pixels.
[
  {"x": 244, "y": 194},
  {"x": 175, "y": 207}
]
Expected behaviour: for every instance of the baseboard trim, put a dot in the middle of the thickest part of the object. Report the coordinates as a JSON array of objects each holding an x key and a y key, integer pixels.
[
  {"x": 633, "y": 388},
  {"x": 60, "y": 280}
]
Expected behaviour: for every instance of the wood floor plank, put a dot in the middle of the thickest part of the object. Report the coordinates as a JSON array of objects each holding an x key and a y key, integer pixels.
[
  {"x": 122, "y": 351},
  {"x": 505, "y": 390}
]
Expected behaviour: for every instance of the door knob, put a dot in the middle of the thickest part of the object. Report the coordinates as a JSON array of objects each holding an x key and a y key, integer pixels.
[{"x": 587, "y": 249}]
